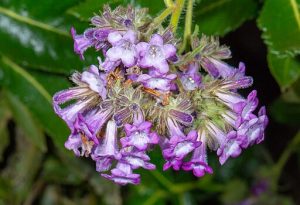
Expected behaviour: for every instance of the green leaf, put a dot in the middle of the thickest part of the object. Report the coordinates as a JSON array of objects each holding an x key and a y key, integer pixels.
[
  {"x": 222, "y": 16},
  {"x": 280, "y": 23},
  {"x": 85, "y": 10},
  {"x": 25, "y": 120},
  {"x": 286, "y": 70},
  {"x": 49, "y": 12},
  {"x": 35, "y": 97},
  {"x": 32, "y": 42},
  {"x": 286, "y": 112}
]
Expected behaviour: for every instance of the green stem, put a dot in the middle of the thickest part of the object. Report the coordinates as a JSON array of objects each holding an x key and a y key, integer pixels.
[
  {"x": 162, "y": 179},
  {"x": 155, "y": 197},
  {"x": 162, "y": 16},
  {"x": 184, "y": 187},
  {"x": 177, "y": 9},
  {"x": 169, "y": 3},
  {"x": 188, "y": 26},
  {"x": 284, "y": 158},
  {"x": 159, "y": 19}
]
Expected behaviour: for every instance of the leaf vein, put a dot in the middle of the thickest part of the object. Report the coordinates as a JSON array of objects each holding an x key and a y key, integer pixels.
[
  {"x": 32, "y": 22},
  {"x": 296, "y": 12},
  {"x": 28, "y": 77}
]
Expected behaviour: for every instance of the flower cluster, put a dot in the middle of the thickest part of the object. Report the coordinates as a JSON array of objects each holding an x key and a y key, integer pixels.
[{"x": 144, "y": 93}]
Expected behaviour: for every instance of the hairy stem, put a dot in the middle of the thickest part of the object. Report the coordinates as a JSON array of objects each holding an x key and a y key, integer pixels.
[
  {"x": 158, "y": 20},
  {"x": 169, "y": 3},
  {"x": 177, "y": 9},
  {"x": 163, "y": 16},
  {"x": 188, "y": 26}
]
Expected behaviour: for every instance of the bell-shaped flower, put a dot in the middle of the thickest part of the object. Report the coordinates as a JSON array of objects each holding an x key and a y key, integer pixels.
[
  {"x": 107, "y": 150},
  {"x": 198, "y": 162}
]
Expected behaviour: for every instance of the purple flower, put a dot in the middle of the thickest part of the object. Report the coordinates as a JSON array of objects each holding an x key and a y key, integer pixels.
[
  {"x": 217, "y": 68},
  {"x": 119, "y": 110},
  {"x": 95, "y": 80},
  {"x": 91, "y": 85},
  {"x": 155, "y": 54},
  {"x": 139, "y": 136},
  {"x": 179, "y": 146},
  {"x": 123, "y": 48},
  {"x": 93, "y": 37},
  {"x": 198, "y": 162},
  {"x": 191, "y": 78},
  {"x": 229, "y": 98},
  {"x": 107, "y": 150},
  {"x": 123, "y": 175},
  {"x": 245, "y": 108},
  {"x": 97, "y": 117},
  {"x": 163, "y": 82},
  {"x": 136, "y": 159},
  {"x": 81, "y": 43},
  {"x": 231, "y": 147},
  {"x": 253, "y": 130},
  {"x": 81, "y": 140}
]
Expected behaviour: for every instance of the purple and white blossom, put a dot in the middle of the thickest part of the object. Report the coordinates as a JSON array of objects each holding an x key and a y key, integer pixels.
[
  {"x": 178, "y": 146},
  {"x": 155, "y": 54},
  {"x": 198, "y": 162},
  {"x": 191, "y": 78},
  {"x": 107, "y": 150},
  {"x": 143, "y": 93},
  {"x": 162, "y": 83},
  {"x": 139, "y": 136},
  {"x": 123, "y": 174},
  {"x": 123, "y": 48},
  {"x": 92, "y": 37}
]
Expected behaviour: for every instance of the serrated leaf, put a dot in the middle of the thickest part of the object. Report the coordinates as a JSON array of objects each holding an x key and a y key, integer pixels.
[
  {"x": 286, "y": 70},
  {"x": 280, "y": 23},
  {"x": 219, "y": 17},
  {"x": 35, "y": 97},
  {"x": 85, "y": 10},
  {"x": 27, "y": 123}
]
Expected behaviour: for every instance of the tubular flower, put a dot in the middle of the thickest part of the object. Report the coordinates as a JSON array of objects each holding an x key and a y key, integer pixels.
[{"x": 144, "y": 94}]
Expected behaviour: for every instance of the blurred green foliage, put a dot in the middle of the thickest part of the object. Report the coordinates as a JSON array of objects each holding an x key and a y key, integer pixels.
[{"x": 36, "y": 57}]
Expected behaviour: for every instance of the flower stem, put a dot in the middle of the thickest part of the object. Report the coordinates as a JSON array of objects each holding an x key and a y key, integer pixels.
[
  {"x": 188, "y": 26},
  {"x": 169, "y": 3},
  {"x": 162, "y": 179},
  {"x": 158, "y": 20},
  {"x": 284, "y": 158},
  {"x": 177, "y": 9},
  {"x": 155, "y": 197}
]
